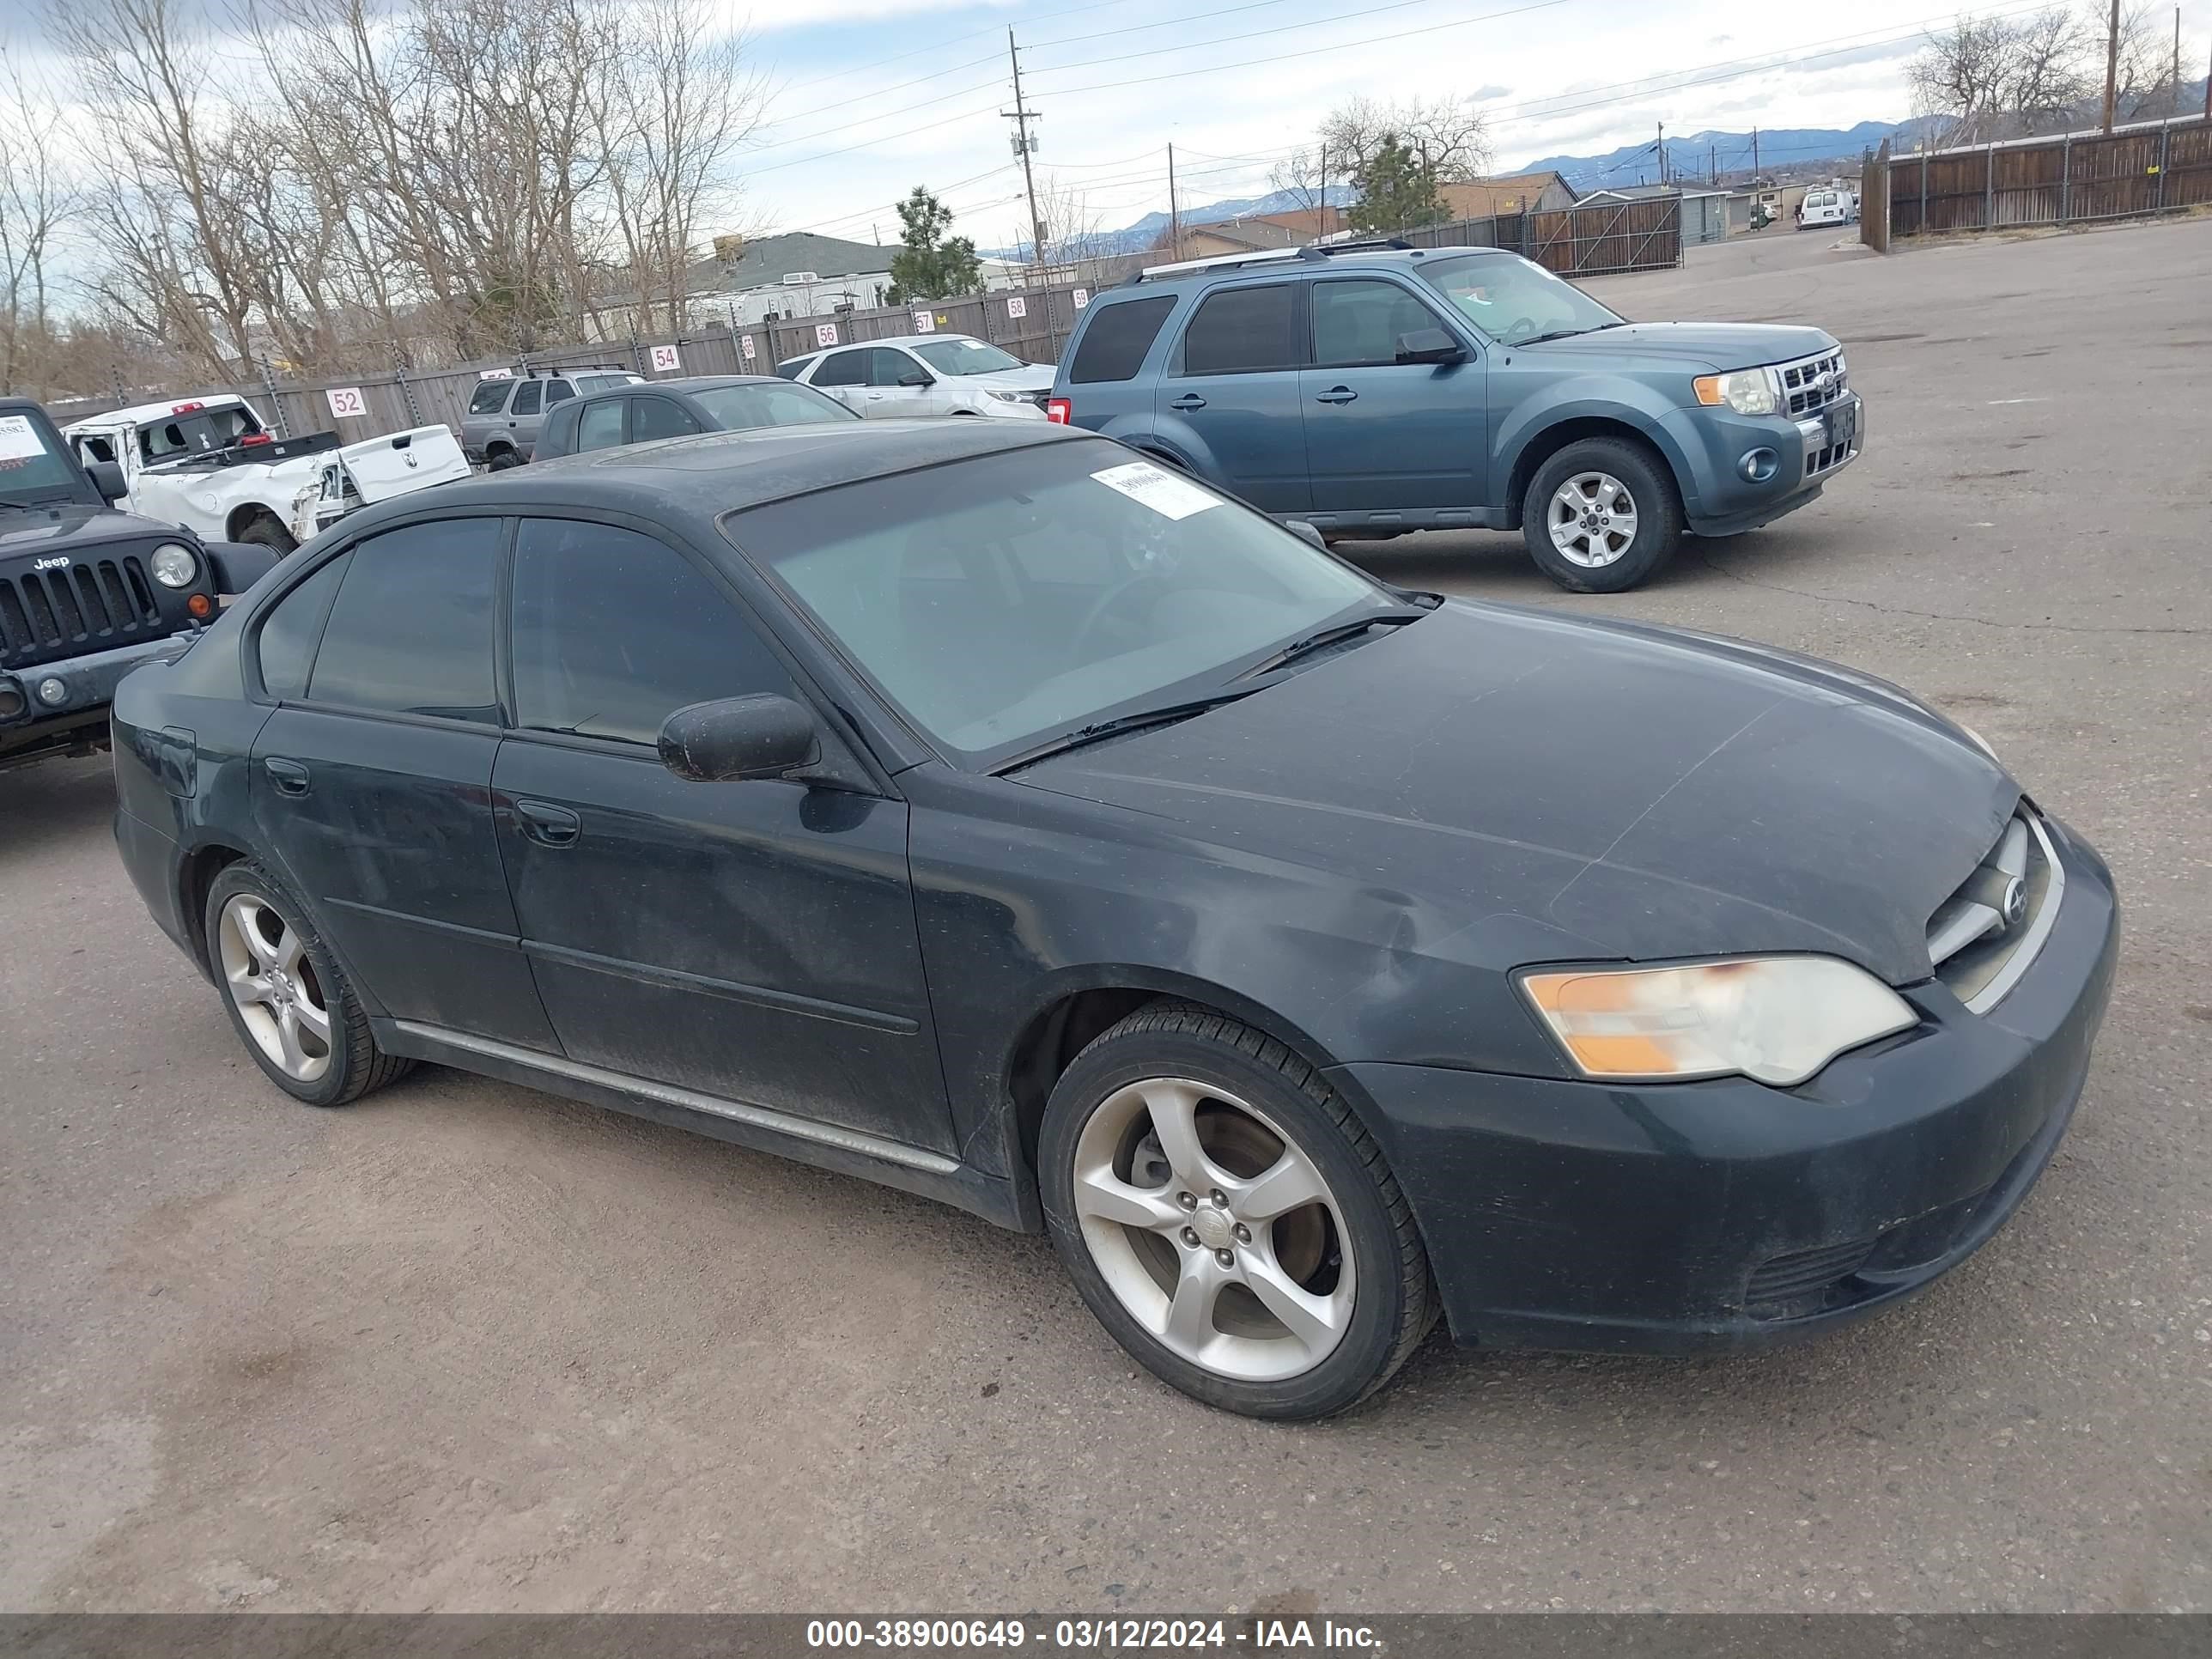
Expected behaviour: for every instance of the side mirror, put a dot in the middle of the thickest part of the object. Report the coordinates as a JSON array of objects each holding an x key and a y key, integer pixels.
[
  {"x": 920, "y": 377},
  {"x": 1306, "y": 533},
  {"x": 1430, "y": 345},
  {"x": 107, "y": 478},
  {"x": 761, "y": 735}
]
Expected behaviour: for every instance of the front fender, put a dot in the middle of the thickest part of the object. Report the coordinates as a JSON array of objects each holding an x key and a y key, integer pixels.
[
  {"x": 238, "y": 565},
  {"x": 1618, "y": 400}
]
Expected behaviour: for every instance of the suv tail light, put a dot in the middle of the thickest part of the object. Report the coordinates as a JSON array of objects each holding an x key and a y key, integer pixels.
[{"x": 1060, "y": 411}]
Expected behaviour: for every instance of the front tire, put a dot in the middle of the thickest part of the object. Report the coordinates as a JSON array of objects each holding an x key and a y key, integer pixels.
[
  {"x": 288, "y": 999},
  {"x": 265, "y": 532},
  {"x": 1229, "y": 1220},
  {"x": 1601, "y": 516}
]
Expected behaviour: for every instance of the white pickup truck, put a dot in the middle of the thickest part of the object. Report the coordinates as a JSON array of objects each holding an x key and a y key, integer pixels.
[{"x": 210, "y": 464}]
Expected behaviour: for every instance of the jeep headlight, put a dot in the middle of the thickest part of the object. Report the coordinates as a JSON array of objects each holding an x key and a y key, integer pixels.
[
  {"x": 1746, "y": 390},
  {"x": 173, "y": 565},
  {"x": 1778, "y": 1019}
]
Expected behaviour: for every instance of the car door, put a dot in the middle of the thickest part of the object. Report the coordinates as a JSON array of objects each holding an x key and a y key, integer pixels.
[
  {"x": 886, "y": 399},
  {"x": 1384, "y": 436},
  {"x": 844, "y": 375},
  {"x": 370, "y": 783},
  {"x": 753, "y": 941},
  {"x": 1230, "y": 400}
]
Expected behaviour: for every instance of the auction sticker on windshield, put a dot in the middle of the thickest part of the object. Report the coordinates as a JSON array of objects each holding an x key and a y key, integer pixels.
[
  {"x": 1165, "y": 494},
  {"x": 19, "y": 438}
]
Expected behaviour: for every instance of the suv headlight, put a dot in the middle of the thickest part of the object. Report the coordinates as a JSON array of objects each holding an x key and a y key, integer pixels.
[
  {"x": 1778, "y": 1019},
  {"x": 1013, "y": 397},
  {"x": 173, "y": 565},
  {"x": 1746, "y": 390}
]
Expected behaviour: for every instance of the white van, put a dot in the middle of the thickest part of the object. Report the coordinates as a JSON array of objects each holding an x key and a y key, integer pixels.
[{"x": 1827, "y": 207}]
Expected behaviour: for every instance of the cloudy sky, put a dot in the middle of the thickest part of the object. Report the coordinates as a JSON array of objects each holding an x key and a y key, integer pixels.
[{"x": 875, "y": 96}]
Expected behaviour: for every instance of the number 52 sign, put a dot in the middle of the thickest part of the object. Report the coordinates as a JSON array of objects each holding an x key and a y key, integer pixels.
[{"x": 346, "y": 401}]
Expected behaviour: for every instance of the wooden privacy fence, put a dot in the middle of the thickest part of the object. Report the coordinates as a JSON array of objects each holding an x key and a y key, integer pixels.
[
  {"x": 2076, "y": 179},
  {"x": 1583, "y": 241}
]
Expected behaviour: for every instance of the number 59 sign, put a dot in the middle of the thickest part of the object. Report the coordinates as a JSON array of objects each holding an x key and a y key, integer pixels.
[{"x": 345, "y": 401}]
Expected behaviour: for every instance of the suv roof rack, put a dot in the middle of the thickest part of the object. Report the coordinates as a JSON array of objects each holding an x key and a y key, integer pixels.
[
  {"x": 1267, "y": 257},
  {"x": 554, "y": 371}
]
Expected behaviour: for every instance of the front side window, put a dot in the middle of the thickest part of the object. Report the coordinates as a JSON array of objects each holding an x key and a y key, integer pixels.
[
  {"x": 769, "y": 402},
  {"x": 659, "y": 417},
  {"x": 529, "y": 398},
  {"x": 614, "y": 631},
  {"x": 959, "y": 356},
  {"x": 409, "y": 632},
  {"x": 1514, "y": 300},
  {"x": 890, "y": 366},
  {"x": 599, "y": 426},
  {"x": 1357, "y": 323},
  {"x": 489, "y": 397},
  {"x": 1239, "y": 329},
  {"x": 1015, "y": 596},
  {"x": 291, "y": 631}
]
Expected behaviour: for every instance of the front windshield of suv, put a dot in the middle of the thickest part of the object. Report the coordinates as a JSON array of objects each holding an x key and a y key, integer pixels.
[
  {"x": 1514, "y": 300},
  {"x": 33, "y": 469},
  {"x": 769, "y": 402},
  {"x": 1020, "y": 596},
  {"x": 965, "y": 357}
]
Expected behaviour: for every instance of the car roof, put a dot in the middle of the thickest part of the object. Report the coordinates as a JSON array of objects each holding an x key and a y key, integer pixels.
[
  {"x": 1299, "y": 261},
  {"x": 685, "y": 383},
  {"x": 716, "y": 472}
]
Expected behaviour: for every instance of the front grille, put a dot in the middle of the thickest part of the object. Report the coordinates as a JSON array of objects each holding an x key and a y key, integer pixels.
[
  {"x": 45, "y": 615},
  {"x": 1818, "y": 461},
  {"x": 1803, "y": 391},
  {"x": 1799, "y": 1281},
  {"x": 1982, "y": 937}
]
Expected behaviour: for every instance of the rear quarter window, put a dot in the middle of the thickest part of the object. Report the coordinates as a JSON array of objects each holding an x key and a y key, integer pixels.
[
  {"x": 489, "y": 397},
  {"x": 1113, "y": 346}
]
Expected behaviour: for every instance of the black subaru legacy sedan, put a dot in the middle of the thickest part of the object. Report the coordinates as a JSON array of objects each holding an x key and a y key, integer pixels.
[{"x": 983, "y": 810}]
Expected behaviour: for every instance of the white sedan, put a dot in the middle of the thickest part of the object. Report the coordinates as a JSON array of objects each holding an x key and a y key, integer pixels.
[{"x": 925, "y": 374}]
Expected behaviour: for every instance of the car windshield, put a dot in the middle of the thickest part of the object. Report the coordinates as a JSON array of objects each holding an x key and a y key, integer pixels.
[
  {"x": 966, "y": 357},
  {"x": 32, "y": 469},
  {"x": 1016, "y": 597},
  {"x": 1512, "y": 299},
  {"x": 770, "y": 403}
]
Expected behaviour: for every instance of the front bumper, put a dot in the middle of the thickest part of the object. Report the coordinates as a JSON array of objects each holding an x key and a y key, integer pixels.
[
  {"x": 1718, "y": 500},
  {"x": 1693, "y": 1216},
  {"x": 86, "y": 687}
]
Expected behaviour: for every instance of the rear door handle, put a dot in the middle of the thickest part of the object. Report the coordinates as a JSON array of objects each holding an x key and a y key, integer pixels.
[
  {"x": 288, "y": 776},
  {"x": 1335, "y": 394},
  {"x": 1188, "y": 400},
  {"x": 549, "y": 826}
]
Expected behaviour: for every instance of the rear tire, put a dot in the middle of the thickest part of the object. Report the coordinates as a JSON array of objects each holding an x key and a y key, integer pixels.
[
  {"x": 1228, "y": 1219},
  {"x": 499, "y": 459},
  {"x": 288, "y": 1000},
  {"x": 1601, "y": 516}
]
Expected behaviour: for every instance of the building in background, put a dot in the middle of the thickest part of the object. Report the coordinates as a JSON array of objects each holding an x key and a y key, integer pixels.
[
  {"x": 799, "y": 274},
  {"x": 1518, "y": 192}
]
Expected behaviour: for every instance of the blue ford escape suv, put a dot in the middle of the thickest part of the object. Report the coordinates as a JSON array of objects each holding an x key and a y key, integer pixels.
[{"x": 1370, "y": 389}]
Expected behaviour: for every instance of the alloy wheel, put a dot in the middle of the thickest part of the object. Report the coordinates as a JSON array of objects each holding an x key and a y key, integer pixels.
[
  {"x": 269, "y": 977},
  {"x": 1215, "y": 1231},
  {"x": 1592, "y": 519}
]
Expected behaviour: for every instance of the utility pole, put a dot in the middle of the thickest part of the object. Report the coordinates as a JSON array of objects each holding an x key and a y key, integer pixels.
[
  {"x": 1754, "y": 158},
  {"x": 1661, "y": 148},
  {"x": 1021, "y": 115},
  {"x": 2177, "y": 60},
  {"x": 1713, "y": 163},
  {"x": 2111, "y": 66},
  {"x": 1175, "y": 218},
  {"x": 2208, "y": 88}
]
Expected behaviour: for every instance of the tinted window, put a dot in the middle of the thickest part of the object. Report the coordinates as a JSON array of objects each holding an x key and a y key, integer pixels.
[
  {"x": 769, "y": 402},
  {"x": 289, "y": 632},
  {"x": 489, "y": 397},
  {"x": 1115, "y": 344},
  {"x": 794, "y": 369},
  {"x": 659, "y": 417},
  {"x": 1241, "y": 328},
  {"x": 558, "y": 435},
  {"x": 558, "y": 392},
  {"x": 1360, "y": 322},
  {"x": 410, "y": 631},
  {"x": 601, "y": 425},
  {"x": 614, "y": 632},
  {"x": 528, "y": 397},
  {"x": 844, "y": 369},
  {"x": 890, "y": 366}
]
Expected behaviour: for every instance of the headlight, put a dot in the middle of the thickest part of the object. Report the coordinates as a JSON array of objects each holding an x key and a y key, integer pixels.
[
  {"x": 1778, "y": 1019},
  {"x": 1746, "y": 390},
  {"x": 174, "y": 565},
  {"x": 1013, "y": 397}
]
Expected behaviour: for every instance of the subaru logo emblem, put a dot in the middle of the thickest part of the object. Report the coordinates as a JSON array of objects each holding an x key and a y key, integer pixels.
[{"x": 2014, "y": 902}]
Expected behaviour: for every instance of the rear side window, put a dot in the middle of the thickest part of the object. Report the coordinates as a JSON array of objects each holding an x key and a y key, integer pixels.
[
  {"x": 290, "y": 632},
  {"x": 528, "y": 397},
  {"x": 558, "y": 392},
  {"x": 601, "y": 426},
  {"x": 489, "y": 397},
  {"x": 659, "y": 417},
  {"x": 1238, "y": 330},
  {"x": 410, "y": 630},
  {"x": 1115, "y": 344}
]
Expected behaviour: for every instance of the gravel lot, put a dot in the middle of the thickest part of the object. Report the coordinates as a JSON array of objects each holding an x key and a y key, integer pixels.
[{"x": 469, "y": 1346}]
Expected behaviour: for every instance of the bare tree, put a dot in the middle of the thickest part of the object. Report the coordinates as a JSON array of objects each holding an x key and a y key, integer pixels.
[
  {"x": 36, "y": 203},
  {"x": 1960, "y": 76},
  {"x": 2047, "y": 74},
  {"x": 1076, "y": 242},
  {"x": 1447, "y": 136}
]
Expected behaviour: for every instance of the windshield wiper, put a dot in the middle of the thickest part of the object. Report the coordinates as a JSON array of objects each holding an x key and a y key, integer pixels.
[
  {"x": 1327, "y": 636},
  {"x": 1166, "y": 714}
]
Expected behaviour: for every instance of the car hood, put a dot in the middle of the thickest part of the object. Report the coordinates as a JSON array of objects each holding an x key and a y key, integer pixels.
[
  {"x": 71, "y": 527},
  {"x": 1030, "y": 377},
  {"x": 1714, "y": 346},
  {"x": 1641, "y": 794}
]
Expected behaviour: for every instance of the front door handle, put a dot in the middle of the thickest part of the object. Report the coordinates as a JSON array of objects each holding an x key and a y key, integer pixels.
[
  {"x": 1335, "y": 394},
  {"x": 549, "y": 826},
  {"x": 288, "y": 776},
  {"x": 1188, "y": 400}
]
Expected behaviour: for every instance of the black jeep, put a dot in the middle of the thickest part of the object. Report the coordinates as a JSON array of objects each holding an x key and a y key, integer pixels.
[{"x": 88, "y": 592}]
